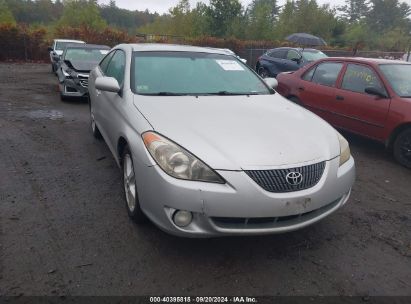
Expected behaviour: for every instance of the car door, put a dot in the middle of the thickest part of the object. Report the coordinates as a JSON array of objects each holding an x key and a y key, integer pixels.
[
  {"x": 293, "y": 61},
  {"x": 316, "y": 90},
  {"x": 274, "y": 61},
  {"x": 95, "y": 95},
  {"x": 110, "y": 102},
  {"x": 358, "y": 111}
]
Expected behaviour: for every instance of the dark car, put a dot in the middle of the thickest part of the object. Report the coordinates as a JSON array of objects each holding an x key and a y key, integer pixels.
[
  {"x": 370, "y": 97},
  {"x": 76, "y": 63},
  {"x": 285, "y": 59}
]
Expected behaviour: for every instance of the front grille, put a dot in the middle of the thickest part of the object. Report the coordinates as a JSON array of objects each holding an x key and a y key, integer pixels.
[
  {"x": 271, "y": 222},
  {"x": 84, "y": 83},
  {"x": 276, "y": 180}
]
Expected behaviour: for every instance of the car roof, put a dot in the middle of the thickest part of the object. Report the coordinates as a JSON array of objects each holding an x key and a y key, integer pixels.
[
  {"x": 372, "y": 61},
  {"x": 153, "y": 47},
  {"x": 69, "y": 40},
  {"x": 87, "y": 46},
  {"x": 294, "y": 48}
]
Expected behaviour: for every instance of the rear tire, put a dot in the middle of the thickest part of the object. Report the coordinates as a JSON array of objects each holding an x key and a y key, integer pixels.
[
  {"x": 402, "y": 148},
  {"x": 130, "y": 188}
]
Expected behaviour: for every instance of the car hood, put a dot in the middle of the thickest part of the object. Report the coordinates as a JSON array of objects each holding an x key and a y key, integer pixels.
[
  {"x": 83, "y": 66},
  {"x": 240, "y": 132}
]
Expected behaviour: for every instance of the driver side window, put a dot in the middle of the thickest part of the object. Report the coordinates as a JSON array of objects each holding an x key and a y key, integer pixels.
[
  {"x": 293, "y": 55},
  {"x": 116, "y": 67},
  {"x": 358, "y": 77},
  {"x": 104, "y": 63}
]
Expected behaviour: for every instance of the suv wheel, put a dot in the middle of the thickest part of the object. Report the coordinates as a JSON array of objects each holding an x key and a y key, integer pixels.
[
  {"x": 130, "y": 188},
  {"x": 402, "y": 148}
]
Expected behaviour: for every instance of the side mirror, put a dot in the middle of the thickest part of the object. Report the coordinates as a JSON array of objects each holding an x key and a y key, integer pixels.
[
  {"x": 375, "y": 91},
  {"x": 271, "y": 82},
  {"x": 296, "y": 60},
  {"x": 108, "y": 84},
  {"x": 50, "y": 49}
]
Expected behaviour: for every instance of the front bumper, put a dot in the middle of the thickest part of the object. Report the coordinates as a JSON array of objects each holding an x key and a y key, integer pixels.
[
  {"x": 73, "y": 87},
  {"x": 241, "y": 206}
]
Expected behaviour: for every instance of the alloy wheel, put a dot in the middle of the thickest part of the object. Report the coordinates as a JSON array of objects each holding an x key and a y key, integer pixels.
[
  {"x": 406, "y": 148},
  {"x": 129, "y": 182}
]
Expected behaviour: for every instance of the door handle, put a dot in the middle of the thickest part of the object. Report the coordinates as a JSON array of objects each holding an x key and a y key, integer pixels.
[
  {"x": 98, "y": 92},
  {"x": 339, "y": 97},
  {"x": 301, "y": 88}
]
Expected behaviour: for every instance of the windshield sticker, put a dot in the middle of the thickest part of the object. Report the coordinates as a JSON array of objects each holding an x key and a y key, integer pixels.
[
  {"x": 104, "y": 52},
  {"x": 141, "y": 88},
  {"x": 230, "y": 65}
]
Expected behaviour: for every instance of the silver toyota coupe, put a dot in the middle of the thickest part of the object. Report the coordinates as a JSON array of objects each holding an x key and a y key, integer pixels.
[{"x": 208, "y": 148}]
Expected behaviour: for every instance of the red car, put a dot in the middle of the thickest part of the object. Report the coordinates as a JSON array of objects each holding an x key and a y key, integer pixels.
[{"x": 370, "y": 97}]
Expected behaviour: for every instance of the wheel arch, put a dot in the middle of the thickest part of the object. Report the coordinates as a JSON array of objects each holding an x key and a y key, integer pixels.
[
  {"x": 391, "y": 139},
  {"x": 121, "y": 144}
]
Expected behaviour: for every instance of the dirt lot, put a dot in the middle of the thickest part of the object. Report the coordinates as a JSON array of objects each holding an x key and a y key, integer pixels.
[{"x": 65, "y": 230}]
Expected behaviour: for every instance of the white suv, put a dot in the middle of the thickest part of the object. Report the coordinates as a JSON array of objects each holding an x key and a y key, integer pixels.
[{"x": 56, "y": 50}]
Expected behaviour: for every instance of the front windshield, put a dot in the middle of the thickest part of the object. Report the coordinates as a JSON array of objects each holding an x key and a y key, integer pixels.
[
  {"x": 86, "y": 54},
  {"x": 399, "y": 77},
  {"x": 191, "y": 73},
  {"x": 60, "y": 46},
  {"x": 310, "y": 55}
]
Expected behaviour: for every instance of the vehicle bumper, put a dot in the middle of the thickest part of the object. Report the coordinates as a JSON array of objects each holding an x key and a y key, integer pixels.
[
  {"x": 241, "y": 207},
  {"x": 72, "y": 88}
]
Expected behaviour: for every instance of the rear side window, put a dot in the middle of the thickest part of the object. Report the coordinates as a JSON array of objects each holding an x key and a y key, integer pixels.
[
  {"x": 359, "y": 77},
  {"x": 281, "y": 54},
  {"x": 327, "y": 73},
  {"x": 104, "y": 63},
  {"x": 116, "y": 67}
]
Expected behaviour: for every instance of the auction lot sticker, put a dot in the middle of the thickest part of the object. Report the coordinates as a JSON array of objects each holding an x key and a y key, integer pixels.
[{"x": 230, "y": 65}]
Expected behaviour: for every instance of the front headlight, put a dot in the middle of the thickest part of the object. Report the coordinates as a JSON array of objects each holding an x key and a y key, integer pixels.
[
  {"x": 65, "y": 73},
  {"x": 345, "y": 152},
  {"x": 178, "y": 162}
]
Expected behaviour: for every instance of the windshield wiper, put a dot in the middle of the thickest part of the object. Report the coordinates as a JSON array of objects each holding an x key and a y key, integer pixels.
[
  {"x": 166, "y": 94},
  {"x": 226, "y": 93}
]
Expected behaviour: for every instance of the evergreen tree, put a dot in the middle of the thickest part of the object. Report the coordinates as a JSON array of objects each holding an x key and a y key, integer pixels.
[
  {"x": 355, "y": 10},
  {"x": 82, "y": 13},
  {"x": 6, "y": 16}
]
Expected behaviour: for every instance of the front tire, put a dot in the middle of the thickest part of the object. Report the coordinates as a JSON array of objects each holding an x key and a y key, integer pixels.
[
  {"x": 263, "y": 72},
  {"x": 130, "y": 188},
  {"x": 402, "y": 148},
  {"x": 93, "y": 125},
  {"x": 295, "y": 100},
  {"x": 63, "y": 97}
]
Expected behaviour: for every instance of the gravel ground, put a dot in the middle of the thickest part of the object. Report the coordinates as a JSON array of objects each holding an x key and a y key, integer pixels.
[{"x": 65, "y": 230}]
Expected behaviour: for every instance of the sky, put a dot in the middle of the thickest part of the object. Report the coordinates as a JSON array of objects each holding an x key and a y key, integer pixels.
[{"x": 162, "y": 6}]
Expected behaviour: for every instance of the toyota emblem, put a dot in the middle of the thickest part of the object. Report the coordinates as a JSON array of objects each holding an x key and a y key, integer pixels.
[{"x": 294, "y": 178}]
